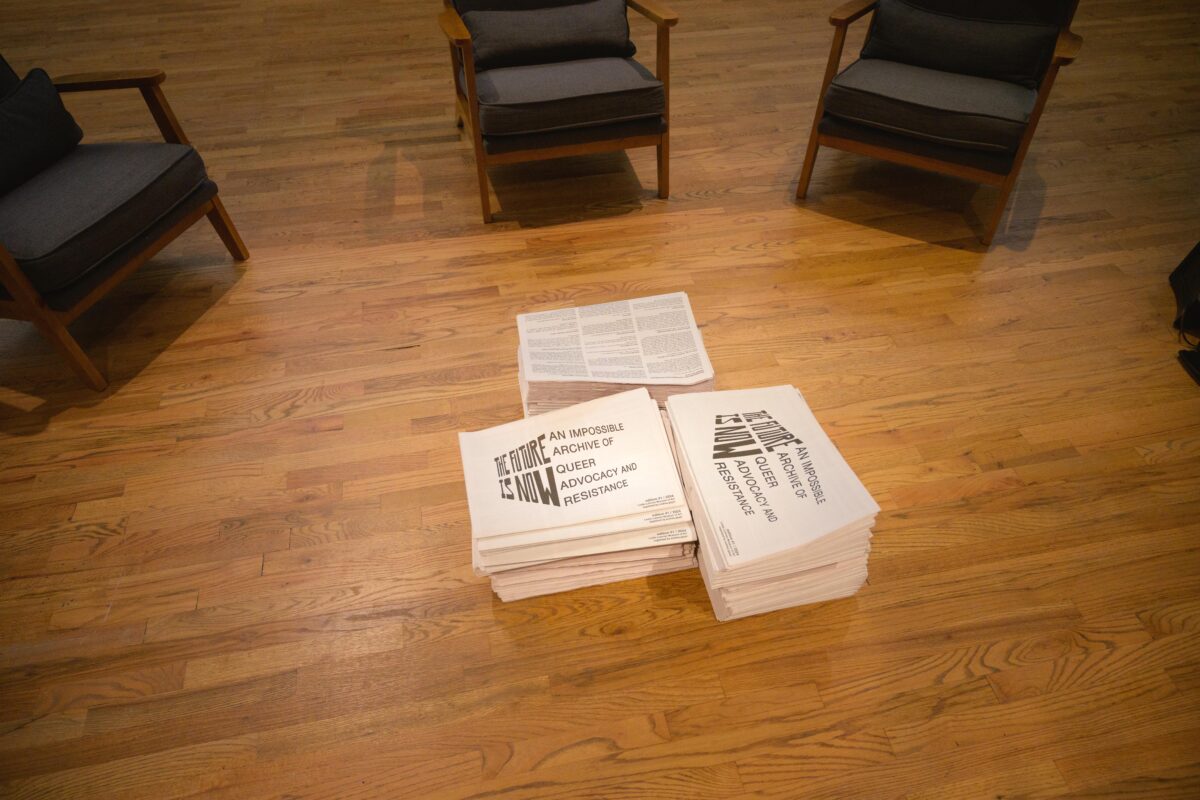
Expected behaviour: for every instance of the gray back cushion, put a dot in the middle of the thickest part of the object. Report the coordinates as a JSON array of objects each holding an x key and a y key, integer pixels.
[
  {"x": 8, "y": 78},
  {"x": 523, "y": 32},
  {"x": 36, "y": 130},
  {"x": 1015, "y": 52},
  {"x": 463, "y": 6},
  {"x": 1046, "y": 12}
]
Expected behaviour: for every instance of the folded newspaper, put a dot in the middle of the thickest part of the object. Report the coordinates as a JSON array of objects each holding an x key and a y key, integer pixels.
[
  {"x": 781, "y": 518},
  {"x": 553, "y": 497},
  {"x": 571, "y": 355}
]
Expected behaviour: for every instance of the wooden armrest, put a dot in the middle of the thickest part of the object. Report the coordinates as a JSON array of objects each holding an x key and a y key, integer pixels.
[
  {"x": 145, "y": 80},
  {"x": 1066, "y": 49},
  {"x": 655, "y": 11},
  {"x": 850, "y": 11},
  {"x": 118, "y": 79},
  {"x": 454, "y": 28}
]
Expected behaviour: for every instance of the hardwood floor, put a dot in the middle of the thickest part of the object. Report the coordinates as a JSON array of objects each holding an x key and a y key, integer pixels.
[{"x": 243, "y": 571}]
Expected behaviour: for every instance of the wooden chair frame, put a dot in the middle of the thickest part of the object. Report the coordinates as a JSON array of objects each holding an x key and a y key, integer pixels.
[
  {"x": 1065, "y": 51},
  {"x": 27, "y": 304},
  {"x": 462, "y": 62}
]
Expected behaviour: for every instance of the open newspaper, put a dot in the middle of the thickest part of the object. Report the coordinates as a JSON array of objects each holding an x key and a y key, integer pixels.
[
  {"x": 781, "y": 518},
  {"x": 570, "y": 355},
  {"x": 551, "y": 496}
]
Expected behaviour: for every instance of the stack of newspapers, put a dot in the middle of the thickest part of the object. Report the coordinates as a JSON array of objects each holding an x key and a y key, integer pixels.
[
  {"x": 572, "y": 355},
  {"x": 578, "y": 497},
  {"x": 782, "y": 520}
]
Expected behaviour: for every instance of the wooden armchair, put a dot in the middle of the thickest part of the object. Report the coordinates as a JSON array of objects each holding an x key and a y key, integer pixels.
[
  {"x": 556, "y": 80},
  {"x": 91, "y": 214},
  {"x": 944, "y": 85}
]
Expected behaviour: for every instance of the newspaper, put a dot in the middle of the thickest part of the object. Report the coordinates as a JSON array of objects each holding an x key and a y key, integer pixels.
[
  {"x": 597, "y": 460},
  {"x": 651, "y": 519},
  {"x": 593, "y": 545},
  {"x": 647, "y": 340},
  {"x": 767, "y": 477}
]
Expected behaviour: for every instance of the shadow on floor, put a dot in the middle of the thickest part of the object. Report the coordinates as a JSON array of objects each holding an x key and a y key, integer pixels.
[
  {"x": 531, "y": 194},
  {"x": 122, "y": 334},
  {"x": 556, "y": 191},
  {"x": 927, "y": 206}
]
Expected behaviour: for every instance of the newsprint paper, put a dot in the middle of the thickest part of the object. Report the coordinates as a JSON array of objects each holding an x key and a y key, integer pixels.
[
  {"x": 578, "y": 497},
  {"x": 769, "y": 478},
  {"x": 594, "y": 461},
  {"x": 647, "y": 340}
]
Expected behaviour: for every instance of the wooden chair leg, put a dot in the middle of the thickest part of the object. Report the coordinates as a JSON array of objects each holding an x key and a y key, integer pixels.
[
  {"x": 810, "y": 161},
  {"x": 221, "y": 222},
  {"x": 664, "y": 168},
  {"x": 484, "y": 197},
  {"x": 31, "y": 307},
  {"x": 831, "y": 68},
  {"x": 65, "y": 343},
  {"x": 993, "y": 223}
]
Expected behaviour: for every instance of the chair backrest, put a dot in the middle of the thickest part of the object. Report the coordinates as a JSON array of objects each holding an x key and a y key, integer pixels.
[
  {"x": 463, "y": 6},
  {"x": 510, "y": 33},
  {"x": 1046, "y": 12},
  {"x": 35, "y": 127},
  {"x": 8, "y": 78},
  {"x": 1005, "y": 40}
]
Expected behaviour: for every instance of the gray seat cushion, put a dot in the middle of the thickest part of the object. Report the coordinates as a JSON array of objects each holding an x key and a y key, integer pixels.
[
  {"x": 942, "y": 107},
  {"x": 1017, "y": 52},
  {"x": 539, "y": 98},
  {"x": 509, "y": 33},
  {"x": 69, "y": 217},
  {"x": 65, "y": 299},
  {"x": 649, "y": 126},
  {"x": 987, "y": 160}
]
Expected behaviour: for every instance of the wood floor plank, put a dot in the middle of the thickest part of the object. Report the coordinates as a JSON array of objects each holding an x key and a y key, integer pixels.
[{"x": 243, "y": 571}]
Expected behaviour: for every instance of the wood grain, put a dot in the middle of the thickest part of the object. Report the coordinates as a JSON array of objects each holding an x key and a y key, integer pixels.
[{"x": 243, "y": 571}]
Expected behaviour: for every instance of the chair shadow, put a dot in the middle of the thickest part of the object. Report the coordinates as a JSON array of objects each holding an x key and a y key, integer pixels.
[
  {"x": 927, "y": 206},
  {"x": 123, "y": 334},
  {"x": 531, "y": 194},
  {"x": 557, "y": 191}
]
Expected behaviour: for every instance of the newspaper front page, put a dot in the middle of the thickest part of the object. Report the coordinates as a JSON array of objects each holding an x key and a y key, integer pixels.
[
  {"x": 597, "y": 460},
  {"x": 768, "y": 477}
]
